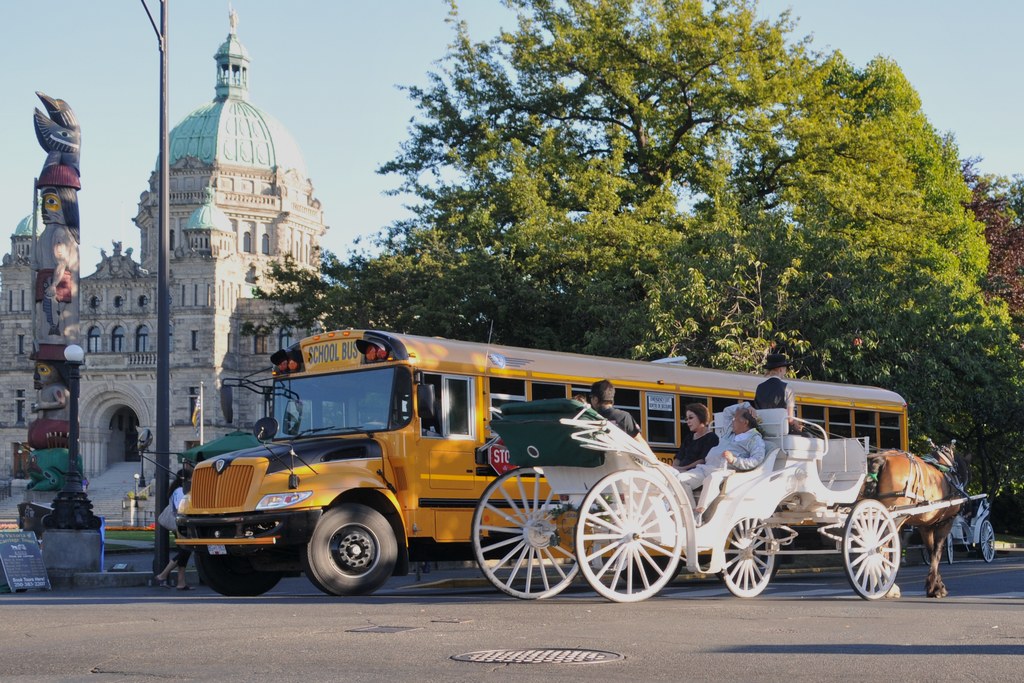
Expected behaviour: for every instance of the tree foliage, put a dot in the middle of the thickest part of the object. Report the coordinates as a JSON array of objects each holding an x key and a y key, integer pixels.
[{"x": 661, "y": 177}]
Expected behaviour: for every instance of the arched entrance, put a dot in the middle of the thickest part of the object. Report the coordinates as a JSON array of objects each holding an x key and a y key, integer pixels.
[{"x": 123, "y": 445}]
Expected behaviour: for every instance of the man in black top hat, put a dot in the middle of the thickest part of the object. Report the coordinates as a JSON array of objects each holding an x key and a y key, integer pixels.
[{"x": 774, "y": 392}]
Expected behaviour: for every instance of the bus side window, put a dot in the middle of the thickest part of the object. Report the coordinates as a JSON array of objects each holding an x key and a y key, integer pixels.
[
  {"x": 458, "y": 406},
  {"x": 431, "y": 426},
  {"x": 453, "y": 407}
]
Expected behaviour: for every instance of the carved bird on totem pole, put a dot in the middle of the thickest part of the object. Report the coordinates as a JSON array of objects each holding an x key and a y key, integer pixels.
[{"x": 59, "y": 135}]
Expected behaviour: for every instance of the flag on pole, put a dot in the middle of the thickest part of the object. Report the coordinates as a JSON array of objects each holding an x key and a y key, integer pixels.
[{"x": 197, "y": 412}]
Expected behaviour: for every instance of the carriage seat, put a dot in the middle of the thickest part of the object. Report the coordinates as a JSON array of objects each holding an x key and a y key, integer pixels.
[{"x": 844, "y": 465}]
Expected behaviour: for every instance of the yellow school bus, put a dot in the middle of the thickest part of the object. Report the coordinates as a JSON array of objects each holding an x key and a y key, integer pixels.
[{"x": 379, "y": 449}]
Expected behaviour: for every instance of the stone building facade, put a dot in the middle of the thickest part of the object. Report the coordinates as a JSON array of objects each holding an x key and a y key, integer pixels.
[{"x": 240, "y": 199}]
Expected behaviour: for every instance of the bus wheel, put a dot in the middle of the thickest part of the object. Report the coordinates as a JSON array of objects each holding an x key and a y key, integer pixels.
[
  {"x": 352, "y": 551},
  {"x": 230, "y": 575}
]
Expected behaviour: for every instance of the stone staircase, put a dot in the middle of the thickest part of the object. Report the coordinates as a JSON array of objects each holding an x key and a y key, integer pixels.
[{"x": 107, "y": 493}]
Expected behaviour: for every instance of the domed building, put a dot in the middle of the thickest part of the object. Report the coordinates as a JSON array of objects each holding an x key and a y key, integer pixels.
[{"x": 240, "y": 200}]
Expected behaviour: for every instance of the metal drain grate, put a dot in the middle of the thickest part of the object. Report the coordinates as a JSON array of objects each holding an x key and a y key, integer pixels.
[
  {"x": 551, "y": 656},
  {"x": 383, "y": 629}
]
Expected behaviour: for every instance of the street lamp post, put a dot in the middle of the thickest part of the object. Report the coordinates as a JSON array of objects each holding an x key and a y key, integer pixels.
[
  {"x": 72, "y": 508},
  {"x": 75, "y": 356},
  {"x": 163, "y": 304}
]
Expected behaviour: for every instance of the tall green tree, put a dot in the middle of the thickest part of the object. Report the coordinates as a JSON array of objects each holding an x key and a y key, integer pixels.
[{"x": 660, "y": 177}]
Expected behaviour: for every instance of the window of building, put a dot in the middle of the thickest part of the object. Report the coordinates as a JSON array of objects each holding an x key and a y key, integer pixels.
[
  {"x": 143, "y": 300},
  {"x": 247, "y": 242},
  {"x": 92, "y": 343},
  {"x": 117, "y": 340},
  {"x": 195, "y": 340},
  {"x": 118, "y": 301},
  {"x": 94, "y": 302},
  {"x": 21, "y": 345},
  {"x": 259, "y": 344},
  {"x": 193, "y": 396},
  {"x": 19, "y": 407},
  {"x": 265, "y": 243},
  {"x": 284, "y": 338},
  {"x": 142, "y": 339}
]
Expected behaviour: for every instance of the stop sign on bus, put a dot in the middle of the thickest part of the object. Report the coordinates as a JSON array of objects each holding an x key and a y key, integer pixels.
[{"x": 497, "y": 456}]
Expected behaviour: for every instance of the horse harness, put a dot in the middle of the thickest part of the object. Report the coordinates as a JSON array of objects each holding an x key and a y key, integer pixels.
[{"x": 913, "y": 488}]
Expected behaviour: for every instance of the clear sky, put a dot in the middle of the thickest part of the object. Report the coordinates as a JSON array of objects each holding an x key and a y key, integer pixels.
[{"x": 329, "y": 71}]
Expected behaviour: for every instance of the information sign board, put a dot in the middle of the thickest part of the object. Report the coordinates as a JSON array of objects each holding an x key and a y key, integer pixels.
[{"x": 22, "y": 561}]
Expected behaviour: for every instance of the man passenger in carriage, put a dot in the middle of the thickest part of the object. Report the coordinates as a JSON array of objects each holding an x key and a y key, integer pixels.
[
  {"x": 602, "y": 398},
  {"x": 741, "y": 448}
]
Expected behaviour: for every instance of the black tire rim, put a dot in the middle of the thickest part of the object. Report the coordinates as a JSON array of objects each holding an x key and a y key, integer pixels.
[{"x": 355, "y": 549}]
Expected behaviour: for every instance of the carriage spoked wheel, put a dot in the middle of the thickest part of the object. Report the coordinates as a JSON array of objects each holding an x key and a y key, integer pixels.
[
  {"x": 749, "y": 562},
  {"x": 871, "y": 549},
  {"x": 630, "y": 536},
  {"x": 522, "y": 536},
  {"x": 987, "y": 541}
]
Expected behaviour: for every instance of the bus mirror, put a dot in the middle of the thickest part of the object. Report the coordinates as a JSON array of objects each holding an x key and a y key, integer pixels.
[
  {"x": 145, "y": 439},
  {"x": 265, "y": 429},
  {"x": 227, "y": 405},
  {"x": 425, "y": 402}
]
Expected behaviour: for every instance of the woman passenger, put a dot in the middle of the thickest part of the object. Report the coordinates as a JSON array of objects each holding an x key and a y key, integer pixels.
[{"x": 698, "y": 441}]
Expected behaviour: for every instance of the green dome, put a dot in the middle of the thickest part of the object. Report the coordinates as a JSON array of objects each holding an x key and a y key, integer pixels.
[
  {"x": 25, "y": 224},
  {"x": 209, "y": 216},
  {"x": 235, "y": 133},
  {"x": 230, "y": 130}
]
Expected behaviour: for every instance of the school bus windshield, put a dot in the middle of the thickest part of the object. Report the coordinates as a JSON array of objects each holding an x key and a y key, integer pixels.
[{"x": 363, "y": 401}]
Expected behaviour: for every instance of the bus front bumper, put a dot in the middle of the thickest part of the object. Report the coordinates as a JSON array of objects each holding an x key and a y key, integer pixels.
[{"x": 251, "y": 529}]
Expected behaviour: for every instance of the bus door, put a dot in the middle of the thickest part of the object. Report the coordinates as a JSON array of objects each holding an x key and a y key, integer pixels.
[{"x": 449, "y": 438}]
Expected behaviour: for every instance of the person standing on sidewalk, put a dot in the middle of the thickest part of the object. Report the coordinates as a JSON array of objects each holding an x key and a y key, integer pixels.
[{"x": 182, "y": 483}]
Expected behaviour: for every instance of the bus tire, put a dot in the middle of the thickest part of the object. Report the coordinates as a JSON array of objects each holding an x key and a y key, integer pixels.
[
  {"x": 234, "y": 576},
  {"x": 353, "y": 551}
]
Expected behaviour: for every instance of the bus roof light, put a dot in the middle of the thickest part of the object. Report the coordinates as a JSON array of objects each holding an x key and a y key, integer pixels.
[
  {"x": 373, "y": 352},
  {"x": 287, "y": 361}
]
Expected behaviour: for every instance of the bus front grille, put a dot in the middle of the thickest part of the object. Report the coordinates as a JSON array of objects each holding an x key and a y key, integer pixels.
[{"x": 225, "y": 490}]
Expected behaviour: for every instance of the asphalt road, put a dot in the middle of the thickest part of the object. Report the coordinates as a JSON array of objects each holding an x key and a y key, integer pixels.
[{"x": 804, "y": 627}]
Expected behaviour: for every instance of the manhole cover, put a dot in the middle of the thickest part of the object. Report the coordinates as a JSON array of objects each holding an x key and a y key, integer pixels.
[
  {"x": 383, "y": 629},
  {"x": 551, "y": 656}
]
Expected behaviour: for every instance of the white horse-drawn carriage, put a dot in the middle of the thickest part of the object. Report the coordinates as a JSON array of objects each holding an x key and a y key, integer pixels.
[{"x": 589, "y": 499}]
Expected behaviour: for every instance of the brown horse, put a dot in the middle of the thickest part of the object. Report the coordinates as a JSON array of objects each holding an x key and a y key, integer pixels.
[{"x": 901, "y": 479}]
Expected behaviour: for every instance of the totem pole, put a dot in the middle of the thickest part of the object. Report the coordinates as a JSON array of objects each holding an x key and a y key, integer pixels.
[{"x": 56, "y": 313}]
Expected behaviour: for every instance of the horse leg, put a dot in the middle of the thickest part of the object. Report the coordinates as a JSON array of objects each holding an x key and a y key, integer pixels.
[{"x": 934, "y": 539}]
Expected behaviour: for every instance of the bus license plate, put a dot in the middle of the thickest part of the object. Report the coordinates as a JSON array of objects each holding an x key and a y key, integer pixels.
[{"x": 217, "y": 549}]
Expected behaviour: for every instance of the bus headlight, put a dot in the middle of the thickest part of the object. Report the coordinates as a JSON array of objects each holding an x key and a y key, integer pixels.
[{"x": 273, "y": 501}]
